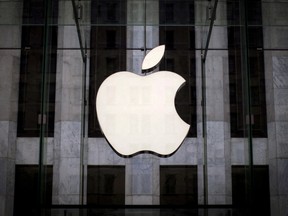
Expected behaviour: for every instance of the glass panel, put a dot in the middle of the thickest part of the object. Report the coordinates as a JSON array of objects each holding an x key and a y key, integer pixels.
[
  {"x": 31, "y": 54},
  {"x": 54, "y": 55}
]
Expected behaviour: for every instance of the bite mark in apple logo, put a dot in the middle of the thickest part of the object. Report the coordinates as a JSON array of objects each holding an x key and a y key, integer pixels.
[{"x": 137, "y": 113}]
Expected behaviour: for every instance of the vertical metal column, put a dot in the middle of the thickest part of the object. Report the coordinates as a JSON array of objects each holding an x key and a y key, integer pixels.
[
  {"x": 44, "y": 103},
  {"x": 247, "y": 95},
  {"x": 203, "y": 77}
]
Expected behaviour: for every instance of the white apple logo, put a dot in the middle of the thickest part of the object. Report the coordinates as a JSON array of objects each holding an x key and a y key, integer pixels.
[{"x": 137, "y": 113}]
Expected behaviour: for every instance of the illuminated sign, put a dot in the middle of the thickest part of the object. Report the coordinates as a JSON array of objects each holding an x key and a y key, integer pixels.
[{"x": 137, "y": 113}]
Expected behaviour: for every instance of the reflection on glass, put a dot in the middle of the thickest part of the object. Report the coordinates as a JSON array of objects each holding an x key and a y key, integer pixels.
[
  {"x": 256, "y": 72},
  {"x": 31, "y": 69}
]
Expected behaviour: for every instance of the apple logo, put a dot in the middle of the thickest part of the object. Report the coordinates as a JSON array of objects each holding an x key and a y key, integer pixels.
[{"x": 137, "y": 113}]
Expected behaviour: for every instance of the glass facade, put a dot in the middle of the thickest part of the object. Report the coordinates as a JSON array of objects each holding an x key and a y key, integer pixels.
[{"x": 55, "y": 54}]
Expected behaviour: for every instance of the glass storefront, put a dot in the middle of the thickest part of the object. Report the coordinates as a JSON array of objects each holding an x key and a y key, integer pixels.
[{"x": 54, "y": 158}]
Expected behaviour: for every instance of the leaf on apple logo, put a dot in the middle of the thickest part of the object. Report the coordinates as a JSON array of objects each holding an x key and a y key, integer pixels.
[{"x": 153, "y": 57}]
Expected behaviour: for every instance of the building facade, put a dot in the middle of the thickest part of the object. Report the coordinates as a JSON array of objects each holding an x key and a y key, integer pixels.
[{"x": 233, "y": 54}]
